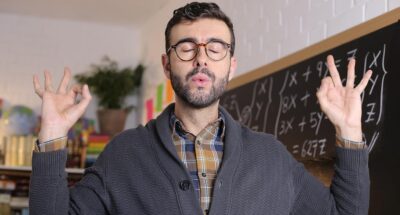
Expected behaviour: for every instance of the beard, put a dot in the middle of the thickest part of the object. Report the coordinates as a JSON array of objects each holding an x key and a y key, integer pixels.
[{"x": 200, "y": 98}]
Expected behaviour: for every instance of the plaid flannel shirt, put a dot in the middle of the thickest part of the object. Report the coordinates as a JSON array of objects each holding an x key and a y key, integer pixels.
[{"x": 201, "y": 154}]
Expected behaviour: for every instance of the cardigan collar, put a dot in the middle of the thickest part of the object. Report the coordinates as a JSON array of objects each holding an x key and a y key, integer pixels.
[{"x": 232, "y": 141}]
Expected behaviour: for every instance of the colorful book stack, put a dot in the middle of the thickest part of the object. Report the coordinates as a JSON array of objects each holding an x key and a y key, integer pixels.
[{"x": 95, "y": 145}]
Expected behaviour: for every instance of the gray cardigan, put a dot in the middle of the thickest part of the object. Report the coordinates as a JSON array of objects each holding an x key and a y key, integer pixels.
[{"x": 140, "y": 172}]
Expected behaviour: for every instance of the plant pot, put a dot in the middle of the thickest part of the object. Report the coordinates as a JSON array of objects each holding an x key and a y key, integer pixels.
[{"x": 111, "y": 121}]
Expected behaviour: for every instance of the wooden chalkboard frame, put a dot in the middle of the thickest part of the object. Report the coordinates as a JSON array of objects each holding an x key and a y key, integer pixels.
[{"x": 318, "y": 48}]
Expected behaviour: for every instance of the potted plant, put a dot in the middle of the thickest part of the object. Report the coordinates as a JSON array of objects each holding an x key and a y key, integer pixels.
[{"x": 112, "y": 85}]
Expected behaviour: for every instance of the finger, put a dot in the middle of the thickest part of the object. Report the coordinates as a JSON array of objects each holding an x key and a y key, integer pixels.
[
  {"x": 323, "y": 91},
  {"x": 37, "y": 87},
  {"x": 364, "y": 81},
  {"x": 351, "y": 73},
  {"x": 333, "y": 71},
  {"x": 84, "y": 102},
  {"x": 47, "y": 81},
  {"x": 64, "y": 82}
]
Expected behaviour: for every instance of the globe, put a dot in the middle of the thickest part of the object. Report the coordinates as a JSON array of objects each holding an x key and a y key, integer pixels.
[{"x": 19, "y": 120}]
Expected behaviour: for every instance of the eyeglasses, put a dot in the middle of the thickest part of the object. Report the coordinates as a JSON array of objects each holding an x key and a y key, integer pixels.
[{"x": 188, "y": 50}]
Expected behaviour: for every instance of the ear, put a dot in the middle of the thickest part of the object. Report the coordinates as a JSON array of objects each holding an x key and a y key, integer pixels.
[
  {"x": 232, "y": 68},
  {"x": 166, "y": 66}
]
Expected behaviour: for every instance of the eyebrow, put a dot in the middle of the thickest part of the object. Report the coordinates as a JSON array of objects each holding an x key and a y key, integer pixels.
[
  {"x": 213, "y": 39},
  {"x": 194, "y": 40},
  {"x": 188, "y": 39}
]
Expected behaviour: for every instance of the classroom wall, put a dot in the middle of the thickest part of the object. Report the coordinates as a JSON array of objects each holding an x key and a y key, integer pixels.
[
  {"x": 29, "y": 45},
  {"x": 265, "y": 30}
]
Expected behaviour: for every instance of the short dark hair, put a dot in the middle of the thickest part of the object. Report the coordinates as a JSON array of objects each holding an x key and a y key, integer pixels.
[{"x": 194, "y": 11}]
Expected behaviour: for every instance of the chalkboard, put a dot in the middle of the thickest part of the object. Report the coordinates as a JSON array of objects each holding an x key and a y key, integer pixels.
[{"x": 280, "y": 99}]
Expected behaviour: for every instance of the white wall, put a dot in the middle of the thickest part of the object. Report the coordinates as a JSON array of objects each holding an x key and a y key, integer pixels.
[
  {"x": 29, "y": 45},
  {"x": 152, "y": 47},
  {"x": 268, "y": 30},
  {"x": 265, "y": 31}
]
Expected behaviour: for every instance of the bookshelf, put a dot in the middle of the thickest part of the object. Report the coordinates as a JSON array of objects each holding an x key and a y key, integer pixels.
[
  {"x": 83, "y": 148},
  {"x": 15, "y": 171},
  {"x": 14, "y": 187}
]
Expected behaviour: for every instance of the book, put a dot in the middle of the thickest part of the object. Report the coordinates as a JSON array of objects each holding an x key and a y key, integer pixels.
[
  {"x": 17, "y": 150},
  {"x": 95, "y": 145}
]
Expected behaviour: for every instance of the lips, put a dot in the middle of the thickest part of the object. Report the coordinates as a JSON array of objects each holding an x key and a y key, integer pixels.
[{"x": 200, "y": 79}]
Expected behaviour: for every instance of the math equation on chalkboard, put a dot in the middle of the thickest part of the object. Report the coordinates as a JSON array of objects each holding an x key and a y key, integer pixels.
[{"x": 284, "y": 103}]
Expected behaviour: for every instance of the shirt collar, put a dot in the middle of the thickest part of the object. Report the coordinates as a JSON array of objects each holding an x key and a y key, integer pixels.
[{"x": 177, "y": 127}]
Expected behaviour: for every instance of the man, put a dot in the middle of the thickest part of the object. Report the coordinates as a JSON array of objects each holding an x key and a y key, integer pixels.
[{"x": 194, "y": 158}]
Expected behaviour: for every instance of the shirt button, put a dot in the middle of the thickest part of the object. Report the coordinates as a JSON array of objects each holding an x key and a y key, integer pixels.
[
  {"x": 203, "y": 174},
  {"x": 198, "y": 142},
  {"x": 184, "y": 185}
]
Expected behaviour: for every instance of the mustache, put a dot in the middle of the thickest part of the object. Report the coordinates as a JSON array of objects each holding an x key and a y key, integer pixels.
[{"x": 205, "y": 71}]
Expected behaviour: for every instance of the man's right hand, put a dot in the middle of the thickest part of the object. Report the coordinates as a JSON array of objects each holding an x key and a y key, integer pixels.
[{"x": 60, "y": 109}]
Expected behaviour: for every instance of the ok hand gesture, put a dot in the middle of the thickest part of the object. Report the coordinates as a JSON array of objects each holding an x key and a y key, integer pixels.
[
  {"x": 342, "y": 104},
  {"x": 60, "y": 109}
]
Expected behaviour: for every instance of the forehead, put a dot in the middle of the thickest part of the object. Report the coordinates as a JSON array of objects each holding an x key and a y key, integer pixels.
[{"x": 201, "y": 30}]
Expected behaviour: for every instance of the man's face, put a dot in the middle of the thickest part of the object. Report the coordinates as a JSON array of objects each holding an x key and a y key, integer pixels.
[{"x": 201, "y": 81}]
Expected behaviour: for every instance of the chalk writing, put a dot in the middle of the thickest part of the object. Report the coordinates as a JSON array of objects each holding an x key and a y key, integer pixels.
[{"x": 285, "y": 103}]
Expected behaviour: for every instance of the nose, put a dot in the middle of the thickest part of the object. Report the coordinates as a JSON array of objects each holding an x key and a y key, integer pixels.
[{"x": 201, "y": 58}]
